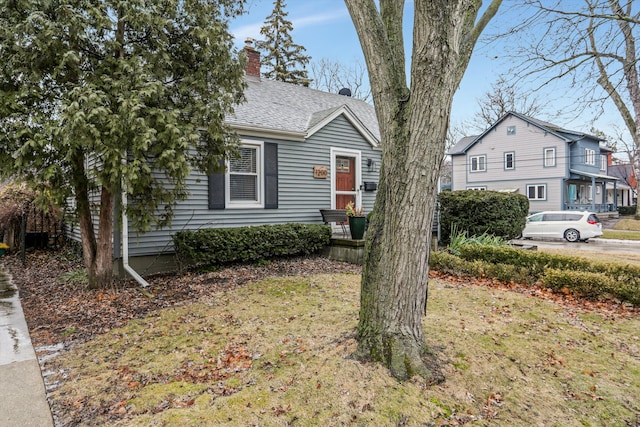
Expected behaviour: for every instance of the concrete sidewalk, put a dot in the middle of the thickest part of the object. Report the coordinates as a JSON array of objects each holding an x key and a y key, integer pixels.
[{"x": 23, "y": 402}]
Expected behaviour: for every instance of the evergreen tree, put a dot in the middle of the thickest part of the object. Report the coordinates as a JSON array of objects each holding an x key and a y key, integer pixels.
[
  {"x": 99, "y": 97},
  {"x": 285, "y": 60}
]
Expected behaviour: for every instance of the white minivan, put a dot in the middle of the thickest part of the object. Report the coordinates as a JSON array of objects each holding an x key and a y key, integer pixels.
[{"x": 570, "y": 225}]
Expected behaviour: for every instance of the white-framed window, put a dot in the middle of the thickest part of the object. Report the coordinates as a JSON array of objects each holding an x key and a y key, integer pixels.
[
  {"x": 537, "y": 192},
  {"x": 589, "y": 156},
  {"x": 549, "y": 157},
  {"x": 603, "y": 162},
  {"x": 478, "y": 163},
  {"x": 589, "y": 193},
  {"x": 479, "y": 188},
  {"x": 509, "y": 160},
  {"x": 244, "y": 177}
]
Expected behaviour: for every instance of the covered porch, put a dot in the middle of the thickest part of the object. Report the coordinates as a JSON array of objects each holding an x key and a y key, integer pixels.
[{"x": 585, "y": 191}]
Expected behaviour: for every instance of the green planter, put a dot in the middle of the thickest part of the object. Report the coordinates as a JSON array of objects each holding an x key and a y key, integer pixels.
[{"x": 356, "y": 226}]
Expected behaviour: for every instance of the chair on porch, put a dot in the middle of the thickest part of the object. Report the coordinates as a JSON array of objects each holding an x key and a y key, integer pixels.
[{"x": 339, "y": 216}]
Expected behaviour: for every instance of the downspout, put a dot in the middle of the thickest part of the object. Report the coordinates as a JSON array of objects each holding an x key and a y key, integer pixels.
[{"x": 125, "y": 244}]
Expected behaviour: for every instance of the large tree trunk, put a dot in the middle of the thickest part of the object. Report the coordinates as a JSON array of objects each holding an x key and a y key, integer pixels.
[
  {"x": 413, "y": 125},
  {"x": 96, "y": 253}
]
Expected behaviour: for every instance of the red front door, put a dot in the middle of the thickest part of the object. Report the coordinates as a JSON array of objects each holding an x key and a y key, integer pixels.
[{"x": 345, "y": 181}]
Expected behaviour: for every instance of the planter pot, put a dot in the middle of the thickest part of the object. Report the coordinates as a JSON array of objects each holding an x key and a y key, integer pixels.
[
  {"x": 356, "y": 226},
  {"x": 2, "y": 251}
]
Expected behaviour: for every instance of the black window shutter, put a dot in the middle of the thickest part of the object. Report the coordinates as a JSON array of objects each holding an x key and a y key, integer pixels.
[
  {"x": 216, "y": 190},
  {"x": 271, "y": 175}
]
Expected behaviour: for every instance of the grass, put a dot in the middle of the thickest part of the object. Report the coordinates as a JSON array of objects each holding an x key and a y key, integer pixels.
[
  {"x": 276, "y": 353},
  {"x": 628, "y": 224},
  {"x": 625, "y": 229},
  {"x": 620, "y": 235},
  {"x": 620, "y": 257}
]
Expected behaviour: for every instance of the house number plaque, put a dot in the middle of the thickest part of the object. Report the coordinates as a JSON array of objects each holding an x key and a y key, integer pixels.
[{"x": 320, "y": 172}]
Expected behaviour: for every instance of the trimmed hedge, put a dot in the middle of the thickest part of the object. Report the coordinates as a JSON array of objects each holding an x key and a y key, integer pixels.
[
  {"x": 591, "y": 279},
  {"x": 452, "y": 264},
  {"x": 213, "y": 246},
  {"x": 627, "y": 210},
  {"x": 478, "y": 212},
  {"x": 591, "y": 285}
]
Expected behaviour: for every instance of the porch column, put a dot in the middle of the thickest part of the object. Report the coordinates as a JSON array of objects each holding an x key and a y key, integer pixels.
[
  {"x": 615, "y": 196},
  {"x": 593, "y": 194}
]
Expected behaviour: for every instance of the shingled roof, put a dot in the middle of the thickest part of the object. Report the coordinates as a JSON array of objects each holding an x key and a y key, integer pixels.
[
  {"x": 568, "y": 135},
  {"x": 278, "y": 107}
]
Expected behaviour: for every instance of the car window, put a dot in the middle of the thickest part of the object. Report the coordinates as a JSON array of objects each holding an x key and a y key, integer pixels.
[
  {"x": 593, "y": 218},
  {"x": 572, "y": 217},
  {"x": 553, "y": 217},
  {"x": 535, "y": 218}
]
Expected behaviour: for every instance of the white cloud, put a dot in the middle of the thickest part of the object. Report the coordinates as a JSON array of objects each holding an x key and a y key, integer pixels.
[{"x": 319, "y": 19}]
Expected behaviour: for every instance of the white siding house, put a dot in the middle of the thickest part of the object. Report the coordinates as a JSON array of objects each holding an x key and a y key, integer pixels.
[{"x": 557, "y": 169}]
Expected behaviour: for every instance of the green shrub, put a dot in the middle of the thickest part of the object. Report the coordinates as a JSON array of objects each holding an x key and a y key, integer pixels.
[
  {"x": 534, "y": 261},
  {"x": 592, "y": 279},
  {"x": 627, "y": 210},
  {"x": 213, "y": 246},
  {"x": 479, "y": 212},
  {"x": 449, "y": 263},
  {"x": 591, "y": 285}
]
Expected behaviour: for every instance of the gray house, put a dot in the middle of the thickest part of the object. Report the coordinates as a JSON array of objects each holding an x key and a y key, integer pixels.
[
  {"x": 556, "y": 168},
  {"x": 301, "y": 150}
]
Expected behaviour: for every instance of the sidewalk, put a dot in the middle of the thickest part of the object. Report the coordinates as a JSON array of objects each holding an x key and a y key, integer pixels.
[{"x": 23, "y": 401}]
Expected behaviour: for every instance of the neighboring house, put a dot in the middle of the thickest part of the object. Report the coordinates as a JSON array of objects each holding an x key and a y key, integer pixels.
[
  {"x": 301, "y": 150},
  {"x": 556, "y": 168},
  {"x": 628, "y": 184}
]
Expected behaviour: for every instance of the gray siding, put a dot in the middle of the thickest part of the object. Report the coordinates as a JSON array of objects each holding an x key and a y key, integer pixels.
[
  {"x": 527, "y": 144},
  {"x": 300, "y": 195}
]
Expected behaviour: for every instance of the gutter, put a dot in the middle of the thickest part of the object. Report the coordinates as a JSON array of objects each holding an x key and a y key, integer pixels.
[{"x": 125, "y": 245}]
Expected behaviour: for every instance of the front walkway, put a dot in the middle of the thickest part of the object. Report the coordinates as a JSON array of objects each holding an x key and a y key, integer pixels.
[{"x": 23, "y": 401}]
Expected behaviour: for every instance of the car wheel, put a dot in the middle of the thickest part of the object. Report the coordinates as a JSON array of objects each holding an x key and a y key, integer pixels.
[{"x": 572, "y": 235}]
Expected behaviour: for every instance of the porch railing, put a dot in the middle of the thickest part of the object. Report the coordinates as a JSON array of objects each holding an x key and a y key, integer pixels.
[{"x": 599, "y": 207}]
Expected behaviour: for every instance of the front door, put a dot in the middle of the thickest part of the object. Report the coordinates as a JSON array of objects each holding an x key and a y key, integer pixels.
[{"x": 345, "y": 179}]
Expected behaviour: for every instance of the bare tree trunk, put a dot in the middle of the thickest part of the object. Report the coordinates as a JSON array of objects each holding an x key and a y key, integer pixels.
[
  {"x": 97, "y": 254},
  {"x": 413, "y": 126}
]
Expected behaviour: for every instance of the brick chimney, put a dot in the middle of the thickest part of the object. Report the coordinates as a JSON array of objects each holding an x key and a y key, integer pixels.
[{"x": 253, "y": 59}]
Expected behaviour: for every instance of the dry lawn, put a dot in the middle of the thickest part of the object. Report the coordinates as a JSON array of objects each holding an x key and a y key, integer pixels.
[
  {"x": 276, "y": 353},
  {"x": 628, "y": 224},
  {"x": 632, "y": 258}
]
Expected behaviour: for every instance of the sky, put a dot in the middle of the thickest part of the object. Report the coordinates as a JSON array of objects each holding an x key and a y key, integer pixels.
[{"x": 325, "y": 29}]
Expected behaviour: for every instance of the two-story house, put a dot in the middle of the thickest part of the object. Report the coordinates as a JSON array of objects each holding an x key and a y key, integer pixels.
[{"x": 556, "y": 168}]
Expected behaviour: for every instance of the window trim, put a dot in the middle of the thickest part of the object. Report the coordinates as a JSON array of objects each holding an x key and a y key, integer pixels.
[
  {"x": 477, "y": 157},
  {"x": 513, "y": 160},
  {"x": 589, "y": 156},
  {"x": 545, "y": 162},
  {"x": 603, "y": 162},
  {"x": 260, "y": 175},
  {"x": 537, "y": 186}
]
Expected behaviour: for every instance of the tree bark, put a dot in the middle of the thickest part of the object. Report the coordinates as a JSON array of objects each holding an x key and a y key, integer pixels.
[
  {"x": 413, "y": 125},
  {"x": 96, "y": 253}
]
